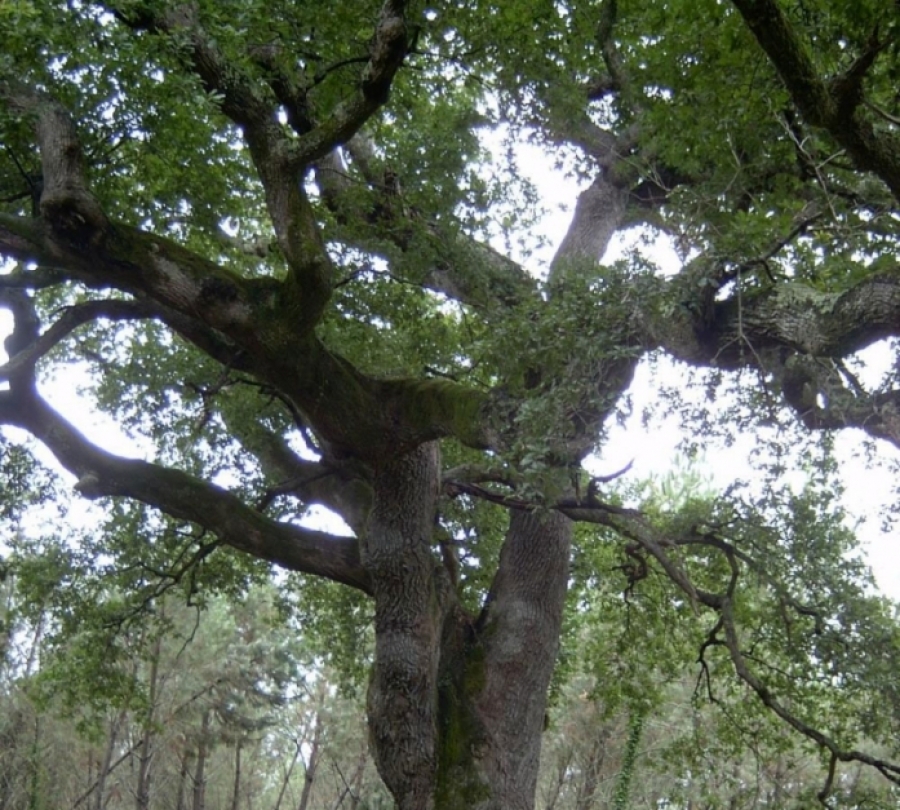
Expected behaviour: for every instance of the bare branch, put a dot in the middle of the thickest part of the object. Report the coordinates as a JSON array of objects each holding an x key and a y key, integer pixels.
[
  {"x": 887, "y": 769},
  {"x": 632, "y": 524}
]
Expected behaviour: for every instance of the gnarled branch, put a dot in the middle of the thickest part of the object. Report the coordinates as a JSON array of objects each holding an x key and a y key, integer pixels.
[{"x": 103, "y": 474}]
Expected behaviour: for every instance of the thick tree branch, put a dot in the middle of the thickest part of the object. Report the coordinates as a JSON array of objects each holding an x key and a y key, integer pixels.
[
  {"x": 259, "y": 317},
  {"x": 343, "y": 488},
  {"x": 278, "y": 161},
  {"x": 796, "y": 335},
  {"x": 823, "y": 398},
  {"x": 603, "y": 145},
  {"x": 290, "y": 89},
  {"x": 66, "y": 203},
  {"x": 25, "y": 347},
  {"x": 476, "y": 275},
  {"x": 599, "y": 212},
  {"x": 153, "y": 268},
  {"x": 834, "y": 106},
  {"x": 606, "y": 22},
  {"x": 386, "y": 55},
  {"x": 247, "y": 324},
  {"x": 102, "y": 474},
  {"x": 38, "y": 279},
  {"x": 739, "y": 330},
  {"x": 819, "y": 324},
  {"x": 72, "y": 318},
  {"x": 25, "y": 332},
  {"x": 463, "y": 268}
]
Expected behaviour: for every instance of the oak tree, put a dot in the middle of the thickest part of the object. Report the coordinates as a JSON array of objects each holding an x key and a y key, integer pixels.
[{"x": 271, "y": 229}]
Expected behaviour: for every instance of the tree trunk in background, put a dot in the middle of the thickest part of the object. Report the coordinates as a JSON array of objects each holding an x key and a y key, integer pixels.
[
  {"x": 562, "y": 773},
  {"x": 145, "y": 752},
  {"x": 183, "y": 776},
  {"x": 199, "y": 796},
  {"x": 313, "y": 764},
  {"x": 353, "y": 787},
  {"x": 288, "y": 773},
  {"x": 34, "y": 792},
  {"x": 585, "y": 795},
  {"x": 236, "y": 792},
  {"x": 106, "y": 765}
]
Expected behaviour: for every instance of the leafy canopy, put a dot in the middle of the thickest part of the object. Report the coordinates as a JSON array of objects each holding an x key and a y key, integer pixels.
[{"x": 269, "y": 231}]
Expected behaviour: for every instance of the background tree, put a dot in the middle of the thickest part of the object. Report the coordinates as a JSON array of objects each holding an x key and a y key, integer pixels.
[{"x": 265, "y": 227}]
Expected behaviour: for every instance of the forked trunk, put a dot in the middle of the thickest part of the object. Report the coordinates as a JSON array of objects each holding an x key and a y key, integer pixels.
[{"x": 456, "y": 704}]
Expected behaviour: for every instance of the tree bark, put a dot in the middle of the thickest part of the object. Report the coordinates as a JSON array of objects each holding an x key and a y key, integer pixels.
[
  {"x": 107, "y": 765},
  {"x": 199, "y": 796},
  {"x": 313, "y": 764},
  {"x": 145, "y": 750},
  {"x": 396, "y": 551},
  {"x": 236, "y": 792},
  {"x": 456, "y": 705},
  {"x": 519, "y": 640},
  {"x": 183, "y": 775}
]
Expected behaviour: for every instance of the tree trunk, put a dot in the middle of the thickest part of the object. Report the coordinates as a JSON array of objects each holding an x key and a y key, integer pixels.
[
  {"x": 586, "y": 793},
  {"x": 517, "y": 642},
  {"x": 288, "y": 773},
  {"x": 562, "y": 776},
  {"x": 312, "y": 764},
  {"x": 409, "y": 609},
  {"x": 456, "y": 706},
  {"x": 35, "y": 798},
  {"x": 145, "y": 750},
  {"x": 183, "y": 776},
  {"x": 199, "y": 797},
  {"x": 107, "y": 765},
  {"x": 236, "y": 792},
  {"x": 353, "y": 786}
]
